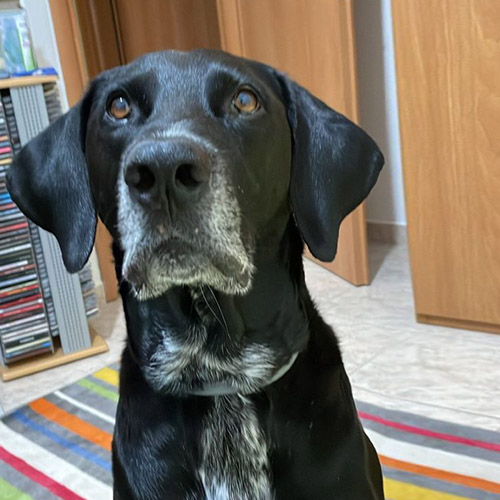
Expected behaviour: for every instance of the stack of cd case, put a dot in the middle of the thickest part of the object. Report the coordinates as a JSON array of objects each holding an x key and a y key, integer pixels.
[
  {"x": 39, "y": 301},
  {"x": 24, "y": 323}
]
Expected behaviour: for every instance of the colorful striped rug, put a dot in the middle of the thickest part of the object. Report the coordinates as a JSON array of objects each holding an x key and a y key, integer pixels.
[{"x": 59, "y": 447}]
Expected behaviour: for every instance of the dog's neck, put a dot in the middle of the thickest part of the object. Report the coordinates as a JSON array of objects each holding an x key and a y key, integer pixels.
[{"x": 272, "y": 314}]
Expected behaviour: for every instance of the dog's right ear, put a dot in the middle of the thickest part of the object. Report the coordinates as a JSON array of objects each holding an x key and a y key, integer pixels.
[{"x": 49, "y": 181}]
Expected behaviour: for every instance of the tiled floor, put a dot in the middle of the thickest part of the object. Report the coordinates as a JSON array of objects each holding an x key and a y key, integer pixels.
[{"x": 392, "y": 360}]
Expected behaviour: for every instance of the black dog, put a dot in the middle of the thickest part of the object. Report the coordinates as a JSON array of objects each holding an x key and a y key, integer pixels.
[{"x": 210, "y": 171}]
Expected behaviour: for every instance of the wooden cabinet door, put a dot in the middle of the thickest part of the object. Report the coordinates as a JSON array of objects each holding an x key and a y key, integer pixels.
[
  {"x": 312, "y": 41},
  {"x": 447, "y": 55},
  {"x": 149, "y": 25}
]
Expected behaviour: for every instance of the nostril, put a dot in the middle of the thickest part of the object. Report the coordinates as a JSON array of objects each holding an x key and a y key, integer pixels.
[
  {"x": 190, "y": 176},
  {"x": 146, "y": 178},
  {"x": 140, "y": 177}
]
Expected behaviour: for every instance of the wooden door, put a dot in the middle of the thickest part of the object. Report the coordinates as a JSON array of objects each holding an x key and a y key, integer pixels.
[
  {"x": 447, "y": 55},
  {"x": 312, "y": 41},
  {"x": 118, "y": 31}
]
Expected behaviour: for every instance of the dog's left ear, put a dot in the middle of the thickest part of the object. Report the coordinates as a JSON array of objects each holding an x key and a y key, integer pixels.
[
  {"x": 334, "y": 166},
  {"x": 49, "y": 181}
]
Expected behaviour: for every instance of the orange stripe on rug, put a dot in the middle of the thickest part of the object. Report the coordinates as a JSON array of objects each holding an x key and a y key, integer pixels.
[
  {"x": 472, "y": 482},
  {"x": 74, "y": 424}
]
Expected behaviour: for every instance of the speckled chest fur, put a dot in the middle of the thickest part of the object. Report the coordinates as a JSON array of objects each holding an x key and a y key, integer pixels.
[{"x": 235, "y": 463}]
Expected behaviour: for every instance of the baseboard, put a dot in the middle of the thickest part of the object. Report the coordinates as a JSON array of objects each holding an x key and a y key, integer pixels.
[
  {"x": 386, "y": 232},
  {"x": 458, "y": 323}
]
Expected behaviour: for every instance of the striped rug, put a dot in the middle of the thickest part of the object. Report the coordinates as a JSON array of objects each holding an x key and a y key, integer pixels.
[{"x": 59, "y": 447}]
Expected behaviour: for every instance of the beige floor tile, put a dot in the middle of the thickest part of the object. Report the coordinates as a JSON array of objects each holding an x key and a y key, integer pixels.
[
  {"x": 367, "y": 320},
  {"x": 450, "y": 371}
]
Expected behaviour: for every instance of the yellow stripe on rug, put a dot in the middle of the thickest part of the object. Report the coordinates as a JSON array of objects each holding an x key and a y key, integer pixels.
[
  {"x": 395, "y": 490},
  {"x": 108, "y": 375}
]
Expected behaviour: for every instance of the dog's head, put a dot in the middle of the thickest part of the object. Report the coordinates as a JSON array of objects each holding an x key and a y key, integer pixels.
[{"x": 195, "y": 162}]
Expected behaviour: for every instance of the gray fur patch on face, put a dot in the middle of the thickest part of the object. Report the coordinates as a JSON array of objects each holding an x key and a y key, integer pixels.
[
  {"x": 203, "y": 246},
  {"x": 184, "y": 365},
  {"x": 235, "y": 462}
]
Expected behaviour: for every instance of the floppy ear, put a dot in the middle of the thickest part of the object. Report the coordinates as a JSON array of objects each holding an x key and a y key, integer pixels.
[
  {"x": 334, "y": 166},
  {"x": 49, "y": 182}
]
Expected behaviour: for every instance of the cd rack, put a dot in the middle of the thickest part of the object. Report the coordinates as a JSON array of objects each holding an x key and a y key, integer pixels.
[{"x": 43, "y": 308}]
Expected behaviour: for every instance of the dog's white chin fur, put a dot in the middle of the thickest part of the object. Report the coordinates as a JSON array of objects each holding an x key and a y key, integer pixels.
[{"x": 156, "y": 280}]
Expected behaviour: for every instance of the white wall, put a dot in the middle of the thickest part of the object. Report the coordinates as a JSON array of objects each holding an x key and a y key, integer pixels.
[
  {"x": 378, "y": 105},
  {"x": 46, "y": 53}
]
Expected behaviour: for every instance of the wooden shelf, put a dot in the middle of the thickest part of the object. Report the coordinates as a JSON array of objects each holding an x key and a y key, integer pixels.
[
  {"x": 24, "y": 81},
  {"x": 46, "y": 361}
]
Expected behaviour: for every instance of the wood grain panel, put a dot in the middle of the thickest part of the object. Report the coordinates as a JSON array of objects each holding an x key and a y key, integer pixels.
[
  {"x": 151, "y": 25},
  {"x": 312, "y": 41},
  {"x": 70, "y": 49},
  {"x": 99, "y": 35},
  {"x": 447, "y": 55}
]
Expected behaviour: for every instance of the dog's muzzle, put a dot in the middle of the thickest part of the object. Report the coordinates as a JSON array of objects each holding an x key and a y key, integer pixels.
[{"x": 179, "y": 219}]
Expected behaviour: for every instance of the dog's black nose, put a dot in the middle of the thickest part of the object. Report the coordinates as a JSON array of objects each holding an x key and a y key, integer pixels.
[{"x": 170, "y": 171}]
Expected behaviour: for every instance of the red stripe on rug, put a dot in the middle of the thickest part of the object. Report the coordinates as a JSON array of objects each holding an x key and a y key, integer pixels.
[
  {"x": 433, "y": 434},
  {"x": 39, "y": 477}
]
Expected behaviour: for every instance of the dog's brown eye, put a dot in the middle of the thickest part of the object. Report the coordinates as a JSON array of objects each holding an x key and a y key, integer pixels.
[
  {"x": 119, "y": 108},
  {"x": 246, "y": 102}
]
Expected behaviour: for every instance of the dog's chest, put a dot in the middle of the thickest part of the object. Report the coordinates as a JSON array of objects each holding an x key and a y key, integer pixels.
[{"x": 235, "y": 462}]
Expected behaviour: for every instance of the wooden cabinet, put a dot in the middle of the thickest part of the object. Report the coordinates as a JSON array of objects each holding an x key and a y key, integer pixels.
[{"x": 447, "y": 58}]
